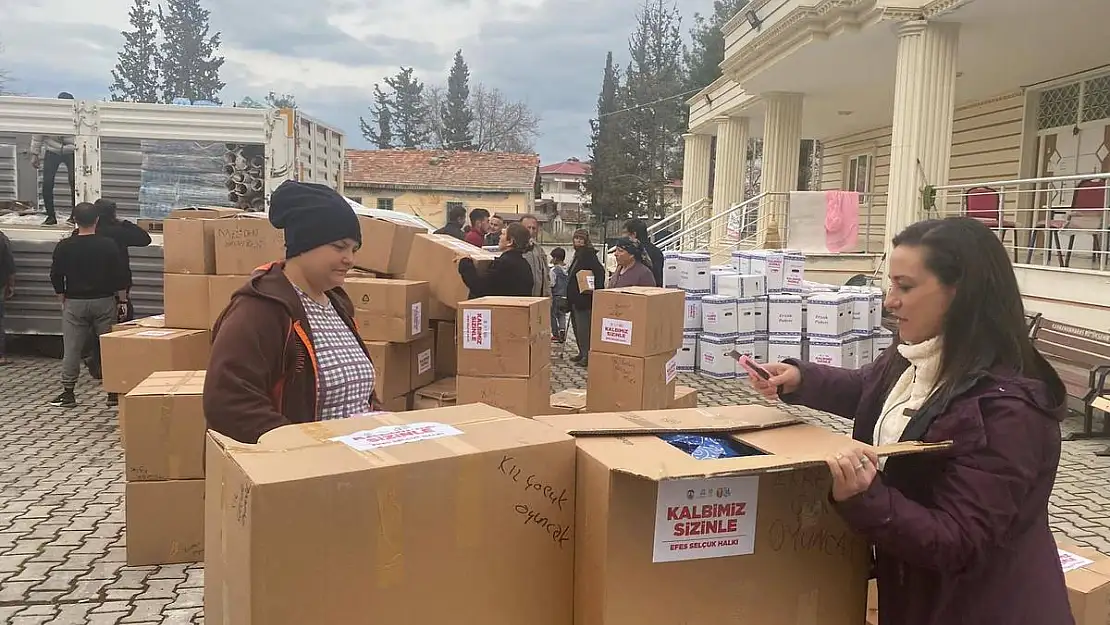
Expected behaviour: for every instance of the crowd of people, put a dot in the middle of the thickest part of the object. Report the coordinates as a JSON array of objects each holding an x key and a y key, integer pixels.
[{"x": 959, "y": 536}]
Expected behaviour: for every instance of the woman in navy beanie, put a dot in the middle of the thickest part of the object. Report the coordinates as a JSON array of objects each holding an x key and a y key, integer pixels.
[{"x": 286, "y": 349}]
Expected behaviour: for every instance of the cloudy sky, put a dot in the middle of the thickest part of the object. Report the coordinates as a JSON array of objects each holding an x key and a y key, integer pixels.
[{"x": 329, "y": 53}]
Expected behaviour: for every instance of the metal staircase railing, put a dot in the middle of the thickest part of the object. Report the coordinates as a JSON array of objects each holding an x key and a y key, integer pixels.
[{"x": 749, "y": 228}]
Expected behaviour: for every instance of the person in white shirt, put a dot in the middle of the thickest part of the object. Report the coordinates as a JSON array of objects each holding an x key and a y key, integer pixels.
[{"x": 49, "y": 152}]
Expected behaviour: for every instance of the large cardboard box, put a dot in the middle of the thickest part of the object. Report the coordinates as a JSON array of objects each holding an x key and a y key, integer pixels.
[
  {"x": 392, "y": 368},
  {"x": 220, "y": 290},
  {"x": 188, "y": 239},
  {"x": 570, "y": 401},
  {"x": 165, "y": 522},
  {"x": 185, "y": 299},
  {"x": 389, "y": 310},
  {"x": 618, "y": 383},
  {"x": 663, "y": 537},
  {"x": 154, "y": 321},
  {"x": 386, "y": 245},
  {"x": 1087, "y": 574},
  {"x": 163, "y": 418},
  {"x": 438, "y": 394},
  {"x": 451, "y": 515},
  {"x": 684, "y": 397},
  {"x": 435, "y": 258},
  {"x": 504, "y": 336},
  {"x": 637, "y": 321},
  {"x": 245, "y": 243},
  {"x": 526, "y": 397},
  {"x": 130, "y": 356},
  {"x": 447, "y": 357}
]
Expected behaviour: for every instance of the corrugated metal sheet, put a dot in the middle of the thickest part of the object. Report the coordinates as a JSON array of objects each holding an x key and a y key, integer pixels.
[
  {"x": 35, "y": 308},
  {"x": 7, "y": 172},
  {"x": 121, "y": 173}
]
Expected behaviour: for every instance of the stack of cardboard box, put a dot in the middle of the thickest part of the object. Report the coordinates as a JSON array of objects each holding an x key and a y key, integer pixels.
[
  {"x": 163, "y": 428},
  {"x": 504, "y": 353},
  {"x": 635, "y": 334}
]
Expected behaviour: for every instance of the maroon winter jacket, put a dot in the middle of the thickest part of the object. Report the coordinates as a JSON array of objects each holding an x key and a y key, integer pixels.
[{"x": 961, "y": 536}]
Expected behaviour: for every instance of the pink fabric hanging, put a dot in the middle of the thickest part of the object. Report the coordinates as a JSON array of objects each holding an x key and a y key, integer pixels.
[{"x": 841, "y": 220}]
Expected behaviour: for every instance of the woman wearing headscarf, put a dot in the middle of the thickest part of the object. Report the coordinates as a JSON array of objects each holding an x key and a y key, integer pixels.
[
  {"x": 286, "y": 349},
  {"x": 581, "y": 303},
  {"x": 632, "y": 269},
  {"x": 960, "y": 535}
]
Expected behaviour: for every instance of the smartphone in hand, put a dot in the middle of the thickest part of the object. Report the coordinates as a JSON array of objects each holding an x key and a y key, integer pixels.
[{"x": 750, "y": 365}]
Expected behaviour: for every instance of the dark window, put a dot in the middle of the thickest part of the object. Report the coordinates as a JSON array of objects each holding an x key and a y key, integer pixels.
[
  {"x": 385, "y": 203},
  {"x": 451, "y": 205}
]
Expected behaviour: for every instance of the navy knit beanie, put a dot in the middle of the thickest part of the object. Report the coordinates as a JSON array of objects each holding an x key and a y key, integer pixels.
[{"x": 312, "y": 215}]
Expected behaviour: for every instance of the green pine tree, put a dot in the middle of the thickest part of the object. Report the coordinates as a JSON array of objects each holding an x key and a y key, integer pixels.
[
  {"x": 410, "y": 114},
  {"x": 707, "y": 49},
  {"x": 135, "y": 76},
  {"x": 379, "y": 129},
  {"x": 610, "y": 182},
  {"x": 189, "y": 65},
  {"x": 457, "y": 116}
]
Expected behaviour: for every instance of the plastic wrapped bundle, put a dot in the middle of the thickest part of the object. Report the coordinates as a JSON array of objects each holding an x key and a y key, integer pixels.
[{"x": 177, "y": 174}]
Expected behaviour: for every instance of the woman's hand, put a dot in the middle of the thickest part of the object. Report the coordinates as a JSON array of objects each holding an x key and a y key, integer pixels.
[
  {"x": 782, "y": 375},
  {"x": 852, "y": 470}
]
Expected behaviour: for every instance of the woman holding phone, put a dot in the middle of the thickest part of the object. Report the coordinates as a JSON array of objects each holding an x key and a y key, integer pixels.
[{"x": 960, "y": 535}]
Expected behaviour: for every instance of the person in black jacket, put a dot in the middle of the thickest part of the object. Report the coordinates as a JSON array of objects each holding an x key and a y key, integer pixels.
[
  {"x": 581, "y": 303},
  {"x": 456, "y": 219},
  {"x": 636, "y": 230},
  {"x": 126, "y": 235},
  {"x": 509, "y": 274}
]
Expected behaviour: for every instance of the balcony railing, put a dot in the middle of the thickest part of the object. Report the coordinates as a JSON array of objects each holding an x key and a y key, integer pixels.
[{"x": 1061, "y": 221}]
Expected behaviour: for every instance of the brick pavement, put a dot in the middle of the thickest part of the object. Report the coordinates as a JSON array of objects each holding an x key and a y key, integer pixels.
[{"x": 62, "y": 523}]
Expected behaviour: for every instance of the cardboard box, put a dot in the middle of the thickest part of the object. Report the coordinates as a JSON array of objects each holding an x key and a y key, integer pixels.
[
  {"x": 245, "y": 243},
  {"x": 392, "y": 368},
  {"x": 585, "y": 281},
  {"x": 389, "y": 310},
  {"x": 188, "y": 239},
  {"x": 386, "y": 245},
  {"x": 658, "y": 528},
  {"x": 422, "y": 359},
  {"x": 435, "y": 258},
  {"x": 684, "y": 397},
  {"x": 504, "y": 336},
  {"x": 165, "y": 522},
  {"x": 525, "y": 397},
  {"x": 571, "y": 401},
  {"x": 637, "y": 321},
  {"x": 130, "y": 356},
  {"x": 163, "y": 418},
  {"x": 220, "y": 290},
  {"x": 617, "y": 383},
  {"x": 439, "y": 394},
  {"x": 466, "y": 510},
  {"x": 185, "y": 298},
  {"x": 155, "y": 321},
  {"x": 1087, "y": 574},
  {"x": 446, "y": 356},
  {"x": 397, "y": 404}
]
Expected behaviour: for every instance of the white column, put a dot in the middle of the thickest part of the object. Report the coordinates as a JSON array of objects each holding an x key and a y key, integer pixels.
[
  {"x": 728, "y": 177},
  {"x": 924, "y": 107},
  {"x": 87, "y": 154},
  {"x": 695, "y": 179},
  {"x": 782, "y": 138}
]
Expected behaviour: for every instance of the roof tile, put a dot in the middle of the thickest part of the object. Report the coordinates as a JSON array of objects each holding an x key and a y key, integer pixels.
[{"x": 441, "y": 169}]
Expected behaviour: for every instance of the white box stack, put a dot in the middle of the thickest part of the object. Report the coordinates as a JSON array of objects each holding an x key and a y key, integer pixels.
[
  {"x": 715, "y": 356},
  {"x": 687, "y": 360},
  {"x": 672, "y": 270}
]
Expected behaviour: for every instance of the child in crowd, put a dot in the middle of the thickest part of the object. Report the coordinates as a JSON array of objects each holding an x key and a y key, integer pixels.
[{"x": 559, "y": 306}]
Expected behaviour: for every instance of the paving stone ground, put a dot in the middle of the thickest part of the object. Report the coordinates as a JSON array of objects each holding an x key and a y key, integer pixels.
[{"x": 62, "y": 518}]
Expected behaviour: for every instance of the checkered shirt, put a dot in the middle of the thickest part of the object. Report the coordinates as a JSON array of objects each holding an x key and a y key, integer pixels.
[{"x": 346, "y": 376}]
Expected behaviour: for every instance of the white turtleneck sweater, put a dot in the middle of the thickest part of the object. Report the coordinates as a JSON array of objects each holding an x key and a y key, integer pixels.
[{"x": 910, "y": 391}]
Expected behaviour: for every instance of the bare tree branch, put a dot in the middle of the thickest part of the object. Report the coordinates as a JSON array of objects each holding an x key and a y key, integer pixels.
[{"x": 499, "y": 124}]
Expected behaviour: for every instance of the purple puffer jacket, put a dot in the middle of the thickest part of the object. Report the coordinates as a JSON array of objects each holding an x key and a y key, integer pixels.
[{"x": 961, "y": 535}]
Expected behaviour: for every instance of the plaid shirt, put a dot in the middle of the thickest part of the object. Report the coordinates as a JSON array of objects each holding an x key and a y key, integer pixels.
[{"x": 346, "y": 376}]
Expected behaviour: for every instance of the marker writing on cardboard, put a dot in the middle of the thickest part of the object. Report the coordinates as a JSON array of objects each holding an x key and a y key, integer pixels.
[{"x": 560, "y": 533}]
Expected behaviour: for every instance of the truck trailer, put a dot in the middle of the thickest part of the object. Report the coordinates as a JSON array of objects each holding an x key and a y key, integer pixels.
[{"x": 149, "y": 159}]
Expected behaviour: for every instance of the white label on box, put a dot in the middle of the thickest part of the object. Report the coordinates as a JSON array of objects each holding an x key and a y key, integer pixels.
[
  {"x": 1070, "y": 561},
  {"x": 390, "y": 435},
  {"x": 672, "y": 368},
  {"x": 705, "y": 518},
  {"x": 153, "y": 333},
  {"x": 590, "y": 282},
  {"x": 417, "y": 318},
  {"x": 424, "y": 362},
  {"x": 616, "y": 331},
  {"x": 476, "y": 329}
]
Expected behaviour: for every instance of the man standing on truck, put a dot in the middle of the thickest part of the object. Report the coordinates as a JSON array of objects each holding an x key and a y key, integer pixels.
[
  {"x": 7, "y": 289},
  {"x": 49, "y": 152},
  {"x": 88, "y": 276}
]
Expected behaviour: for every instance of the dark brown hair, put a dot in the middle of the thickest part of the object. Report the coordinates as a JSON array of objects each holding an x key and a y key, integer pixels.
[
  {"x": 985, "y": 324},
  {"x": 519, "y": 236}
]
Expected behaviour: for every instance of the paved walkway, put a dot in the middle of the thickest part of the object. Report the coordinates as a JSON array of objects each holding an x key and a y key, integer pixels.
[{"x": 62, "y": 523}]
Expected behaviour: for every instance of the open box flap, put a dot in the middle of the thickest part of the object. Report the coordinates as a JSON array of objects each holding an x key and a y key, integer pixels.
[{"x": 722, "y": 420}]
